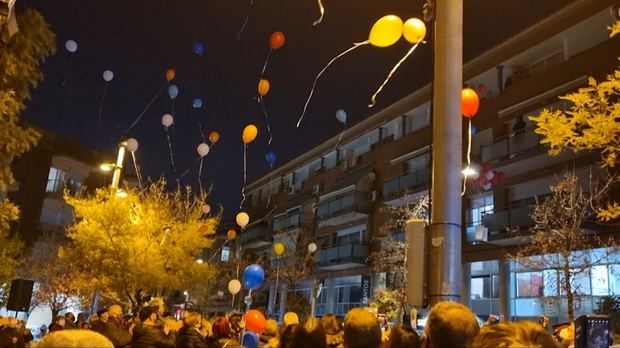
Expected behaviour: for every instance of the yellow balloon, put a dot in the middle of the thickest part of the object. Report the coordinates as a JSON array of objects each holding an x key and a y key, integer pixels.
[
  {"x": 249, "y": 133},
  {"x": 278, "y": 249},
  {"x": 414, "y": 30},
  {"x": 386, "y": 31},
  {"x": 242, "y": 219},
  {"x": 263, "y": 87}
]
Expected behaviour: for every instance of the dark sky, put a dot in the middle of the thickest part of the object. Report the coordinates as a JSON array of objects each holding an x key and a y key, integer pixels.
[{"x": 139, "y": 39}]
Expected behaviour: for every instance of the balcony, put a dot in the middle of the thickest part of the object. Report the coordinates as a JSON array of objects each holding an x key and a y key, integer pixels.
[
  {"x": 343, "y": 209},
  {"x": 499, "y": 221},
  {"x": 256, "y": 236},
  {"x": 285, "y": 223},
  {"x": 342, "y": 257},
  {"x": 406, "y": 182},
  {"x": 512, "y": 146}
]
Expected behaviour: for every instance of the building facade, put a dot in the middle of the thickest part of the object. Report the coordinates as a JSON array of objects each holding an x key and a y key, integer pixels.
[{"x": 334, "y": 193}]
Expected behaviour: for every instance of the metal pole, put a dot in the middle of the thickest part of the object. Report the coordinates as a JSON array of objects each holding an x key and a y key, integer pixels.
[
  {"x": 444, "y": 277},
  {"x": 118, "y": 169}
]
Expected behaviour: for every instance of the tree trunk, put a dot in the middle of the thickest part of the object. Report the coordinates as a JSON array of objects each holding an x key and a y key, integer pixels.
[{"x": 570, "y": 301}]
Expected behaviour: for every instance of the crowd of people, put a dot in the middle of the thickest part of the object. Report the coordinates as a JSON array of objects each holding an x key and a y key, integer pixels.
[{"x": 449, "y": 325}]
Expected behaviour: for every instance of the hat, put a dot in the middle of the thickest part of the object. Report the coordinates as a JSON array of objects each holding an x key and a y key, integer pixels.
[
  {"x": 290, "y": 318},
  {"x": 101, "y": 311},
  {"x": 146, "y": 312}
]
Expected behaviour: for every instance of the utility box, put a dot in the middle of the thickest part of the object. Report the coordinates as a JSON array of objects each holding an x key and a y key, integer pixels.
[{"x": 415, "y": 237}]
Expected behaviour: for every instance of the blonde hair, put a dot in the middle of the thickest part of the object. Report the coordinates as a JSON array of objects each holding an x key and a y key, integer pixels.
[
  {"x": 74, "y": 338},
  {"x": 192, "y": 319},
  {"x": 290, "y": 318},
  {"x": 271, "y": 327},
  {"x": 521, "y": 334},
  {"x": 206, "y": 329},
  {"x": 451, "y": 324}
]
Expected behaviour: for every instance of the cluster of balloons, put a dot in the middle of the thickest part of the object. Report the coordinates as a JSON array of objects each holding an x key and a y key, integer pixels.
[
  {"x": 489, "y": 178},
  {"x": 389, "y": 29}
]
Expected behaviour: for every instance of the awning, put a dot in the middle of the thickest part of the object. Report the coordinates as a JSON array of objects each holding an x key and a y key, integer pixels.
[{"x": 349, "y": 179}]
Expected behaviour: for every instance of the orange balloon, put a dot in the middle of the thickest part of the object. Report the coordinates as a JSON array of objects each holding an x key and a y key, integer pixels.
[
  {"x": 232, "y": 234},
  {"x": 277, "y": 40},
  {"x": 249, "y": 133},
  {"x": 170, "y": 74},
  {"x": 214, "y": 137},
  {"x": 469, "y": 102},
  {"x": 263, "y": 87}
]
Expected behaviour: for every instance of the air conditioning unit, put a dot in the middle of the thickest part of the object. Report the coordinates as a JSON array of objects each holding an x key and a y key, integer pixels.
[
  {"x": 317, "y": 188},
  {"x": 373, "y": 196}
]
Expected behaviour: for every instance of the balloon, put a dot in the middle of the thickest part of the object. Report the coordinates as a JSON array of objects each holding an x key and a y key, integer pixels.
[
  {"x": 254, "y": 321},
  {"x": 312, "y": 247},
  {"x": 231, "y": 234},
  {"x": 271, "y": 157},
  {"x": 278, "y": 249},
  {"x": 253, "y": 276},
  {"x": 234, "y": 286},
  {"x": 249, "y": 133},
  {"x": 276, "y": 40},
  {"x": 214, "y": 137},
  {"x": 203, "y": 229},
  {"x": 197, "y": 103},
  {"x": 131, "y": 144},
  {"x": 489, "y": 175},
  {"x": 199, "y": 48},
  {"x": 414, "y": 30},
  {"x": 469, "y": 102},
  {"x": 173, "y": 91},
  {"x": 203, "y": 149},
  {"x": 167, "y": 120},
  {"x": 486, "y": 186},
  {"x": 206, "y": 209},
  {"x": 242, "y": 219},
  {"x": 341, "y": 116},
  {"x": 71, "y": 46},
  {"x": 263, "y": 87},
  {"x": 108, "y": 75},
  {"x": 170, "y": 74},
  {"x": 249, "y": 340},
  {"x": 386, "y": 31}
]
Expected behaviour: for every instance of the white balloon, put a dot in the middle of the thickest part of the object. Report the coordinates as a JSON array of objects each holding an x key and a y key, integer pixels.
[
  {"x": 489, "y": 175},
  {"x": 475, "y": 175},
  {"x": 71, "y": 46},
  {"x": 486, "y": 186},
  {"x": 108, "y": 75},
  {"x": 312, "y": 247},
  {"x": 341, "y": 116},
  {"x": 242, "y": 219},
  {"x": 234, "y": 286},
  {"x": 167, "y": 120},
  {"x": 206, "y": 209},
  {"x": 132, "y": 145},
  {"x": 203, "y": 149}
]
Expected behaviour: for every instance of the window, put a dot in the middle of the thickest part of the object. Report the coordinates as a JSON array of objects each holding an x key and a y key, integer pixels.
[
  {"x": 550, "y": 279},
  {"x": 353, "y": 235},
  {"x": 614, "y": 279},
  {"x": 225, "y": 254},
  {"x": 55, "y": 180},
  {"x": 480, "y": 287},
  {"x": 480, "y": 206},
  {"x": 600, "y": 281},
  {"x": 529, "y": 284}
]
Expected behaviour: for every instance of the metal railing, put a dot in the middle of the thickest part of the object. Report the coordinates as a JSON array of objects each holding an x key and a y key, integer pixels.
[
  {"x": 343, "y": 204},
  {"x": 510, "y": 146},
  {"x": 407, "y": 181},
  {"x": 500, "y": 220},
  {"x": 350, "y": 251},
  {"x": 285, "y": 222}
]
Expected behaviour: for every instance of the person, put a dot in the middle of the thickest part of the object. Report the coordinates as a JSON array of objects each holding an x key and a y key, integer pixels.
[
  {"x": 290, "y": 318},
  {"x": 287, "y": 336},
  {"x": 449, "y": 324},
  {"x": 269, "y": 337},
  {"x": 115, "y": 313},
  {"x": 309, "y": 334},
  {"x": 81, "y": 321},
  {"x": 222, "y": 332},
  {"x": 75, "y": 338},
  {"x": 237, "y": 325},
  {"x": 148, "y": 335},
  {"x": 332, "y": 330},
  {"x": 361, "y": 329},
  {"x": 402, "y": 336},
  {"x": 190, "y": 335},
  {"x": 69, "y": 321},
  {"x": 120, "y": 337},
  {"x": 12, "y": 334},
  {"x": 58, "y": 323},
  {"x": 521, "y": 334}
]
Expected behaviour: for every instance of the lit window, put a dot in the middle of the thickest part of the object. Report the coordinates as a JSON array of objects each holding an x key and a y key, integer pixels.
[
  {"x": 600, "y": 281},
  {"x": 225, "y": 254},
  {"x": 55, "y": 180}
]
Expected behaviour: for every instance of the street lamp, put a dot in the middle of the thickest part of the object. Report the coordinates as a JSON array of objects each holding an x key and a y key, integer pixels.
[
  {"x": 106, "y": 167},
  {"x": 469, "y": 172}
]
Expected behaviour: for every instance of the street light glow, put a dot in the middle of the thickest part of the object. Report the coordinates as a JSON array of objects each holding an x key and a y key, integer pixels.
[
  {"x": 469, "y": 172},
  {"x": 199, "y": 261},
  {"x": 120, "y": 193},
  {"x": 106, "y": 167}
]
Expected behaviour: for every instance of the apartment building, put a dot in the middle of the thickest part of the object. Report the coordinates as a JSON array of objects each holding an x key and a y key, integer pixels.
[{"x": 335, "y": 194}]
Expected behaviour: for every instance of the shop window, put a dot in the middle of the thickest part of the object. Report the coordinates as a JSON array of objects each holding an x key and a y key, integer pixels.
[{"x": 529, "y": 284}]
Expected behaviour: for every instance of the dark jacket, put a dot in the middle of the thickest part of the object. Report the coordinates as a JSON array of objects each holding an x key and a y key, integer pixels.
[
  {"x": 146, "y": 336},
  {"x": 11, "y": 338},
  {"x": 190, "y": 338},
  {"x": 223, "y": 343},
  {"x": 118, "y": 337}
]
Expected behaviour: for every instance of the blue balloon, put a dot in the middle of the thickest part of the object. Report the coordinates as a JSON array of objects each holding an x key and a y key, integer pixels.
[
  {"x": 199, "y": 48},
  {"x": 253, "y": 276},
  {"x": 271, "y": 157},
  {"x": 173, "y": 91},
  {"x": 197, "y": 104},
  {"x": 249, "y": 339}
]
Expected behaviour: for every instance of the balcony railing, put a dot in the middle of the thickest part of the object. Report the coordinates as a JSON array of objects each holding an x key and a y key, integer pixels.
[
  {"x": 501, "y": 220},
  {"x": 285, "y": 223},
  {"x": 511, "y": 146},
  {"x": 355, "y": 202},
  {"x": 347, "y": 253},
  {"x": 255, "y": 236},
  {"x": 407, "y": 181}
]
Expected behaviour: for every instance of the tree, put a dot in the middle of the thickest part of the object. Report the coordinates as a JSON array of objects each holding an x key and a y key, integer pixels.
[
  {"x": 147, "y": 241},
  {"x": 591, "y": 123},
  {"x": 19, "y": 71},
  {"x": 558, "y": 243}
]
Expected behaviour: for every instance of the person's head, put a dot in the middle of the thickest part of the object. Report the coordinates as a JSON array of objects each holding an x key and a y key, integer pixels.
[
  {"x": 81, "y": 317},
  {"x": 290, "y": 318},
  {"x": 450, "y": 324},
  {"x": 287, "y": 336},
  {"x": 192, "y": 319},
  {"x": 205, "y": 328},
  {"x": 221, "y": 327},
  {"x": 115, "y": 311},
  {"x": 148, "y": 315},
  {"x": 103, "y": 314},
  {"x": 159, "y": 303},
  {"x": 75, "y": 338},
  {"x": 93, "y": 318},
  {"x": 309, "y": 334},
  {"x": 330, "y": 324},
  {"x": 403, "y": 337},
  {"x": 271, "y": 328},
  {"x": 361, "y": 329},
  {"x": 382, "y": 319},
  {"x": 237, "y": 323},
  {"x": 69, "y": 317},
  {"x": 60, "y": 320},
  {"x": 508, "y": 335}
]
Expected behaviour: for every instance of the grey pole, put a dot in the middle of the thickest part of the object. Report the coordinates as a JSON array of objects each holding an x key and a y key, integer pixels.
[{"x": 444, "y": 276}]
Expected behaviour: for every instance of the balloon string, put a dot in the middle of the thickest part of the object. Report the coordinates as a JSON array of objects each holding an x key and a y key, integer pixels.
[
  {"x": 245, "y": 22},
  {"x": 355, "y": 45},
  {"x": 245, "y": 146},
  {"x": 374, "y": 96},
  {"x": 262, "y": 73},
  {"x": 188, "y": 169},
  {"x": 262, "y": 103},
  {"x": 322, "y": 10},
  {"x": 196, "y": 72},
  {"x": 270, "y": 183},
  {"x": 200, "y": 173},
  {"x": 200, "y": 129},
  {"x": 147, "y": 107},
  {"x": 135, "y": 165},
  {"x": 344, "y": 128},
  {"x": 66, "y": 77},
  {"x": 468, "y": 156},
  {"x": 105, "y": 88},
  {"x": 170, "y": 148},
  {"x": 275, "y": 297},
  {"x": 172, "y": 109}
]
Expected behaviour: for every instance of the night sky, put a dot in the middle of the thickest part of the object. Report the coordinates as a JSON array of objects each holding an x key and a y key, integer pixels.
[{"x": 139, "y": 39}]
